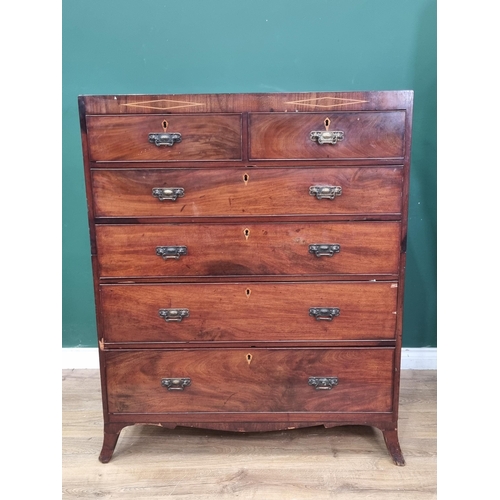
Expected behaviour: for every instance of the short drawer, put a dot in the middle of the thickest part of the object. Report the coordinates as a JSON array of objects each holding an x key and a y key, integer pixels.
[
  {"x": 251, "y": 191},
  {"x": 254, "y": 380},
  {"x": 250, "y": 249},
  {"x": 359, "y": 135},
  {"x": 127, "y": 138},
  {"x": 248, "y": 312}
]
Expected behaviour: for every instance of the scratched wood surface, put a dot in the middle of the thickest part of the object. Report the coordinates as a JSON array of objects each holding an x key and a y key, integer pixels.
[
  {"x": 249, "y": 312},
  {"x": 230, "y": 249},
  {"x": 150, "y": 462},
  {"x": 273, "y": 380},
  {"x": 114, "y": 138},
  {"x": 246, "y": 191},
  {"x": 366, "y": 135}
]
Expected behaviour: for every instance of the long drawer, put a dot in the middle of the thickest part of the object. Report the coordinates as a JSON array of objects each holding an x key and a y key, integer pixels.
[
  {"x": 201, "y": 137},
  {"x": 248, "y": 312},
  {"x": 242, "y": 192},
  {"x": 255, "y": 380},
  {"x": 256, "y": 249},
  {"x": 359, "y": 135}
]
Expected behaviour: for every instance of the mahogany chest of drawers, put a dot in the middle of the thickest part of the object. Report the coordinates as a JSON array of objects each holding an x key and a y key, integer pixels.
[{"x": 248, "y": 254}]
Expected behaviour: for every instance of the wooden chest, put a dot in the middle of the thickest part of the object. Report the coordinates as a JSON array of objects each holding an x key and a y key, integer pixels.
[{"x": 248, "y": 253}]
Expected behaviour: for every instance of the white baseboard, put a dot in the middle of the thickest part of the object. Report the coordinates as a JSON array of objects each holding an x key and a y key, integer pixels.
[
  {"x": 80, "y": 357},
  {"x": 419, "y": 358},
  {"x": 414, "y": 358}
]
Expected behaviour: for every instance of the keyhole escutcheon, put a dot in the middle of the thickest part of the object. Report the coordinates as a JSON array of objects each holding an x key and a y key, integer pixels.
[
  {"x": 246, "y": 232},
  {"x": 249, "y": 358},
  {"x": 246, "y": 178},
  {"x": 164, "y": 124}
]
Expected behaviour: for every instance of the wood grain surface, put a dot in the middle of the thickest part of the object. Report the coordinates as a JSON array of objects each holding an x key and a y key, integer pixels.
[
  {"x": 246, "y": 191},
  {"x": 237, "y": 103},
  {"x": 245, "y": 229},
  {"x": 287, "y": 135},
  {"x": 115, "y": 138},
  {"x": 252, "y": 380},
  {"x": 345, "y": 463},
  {"x": 248, "y": 312},
  {"x": 267, "y": 249}
]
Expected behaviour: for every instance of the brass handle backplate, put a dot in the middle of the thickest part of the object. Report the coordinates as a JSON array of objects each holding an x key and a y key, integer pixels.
[
  {"x": 327, "y": 136},
  {"x": 325, "y": 192},
  {"x": 324, "y": 313},
  {"x": 165, "y": 138},
  {"x": 175, "y": 384},
  {"x": 168, "y": 193},
  {"x": 171, "y": 252},
  {"x": 324, "y": 250},
  {"x": 323, "y": 382},
  {"x": 174, "y": 314}
]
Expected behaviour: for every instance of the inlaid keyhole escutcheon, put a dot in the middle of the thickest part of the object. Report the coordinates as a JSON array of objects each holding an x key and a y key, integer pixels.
[
  {"x": 246, "y": 178},
  {"x": 249, "y": 358},
  {"x": 165, "y": 138},
  {"x": 327, "y": 136},
  {"x": 248, "y": 292},
  {"x": 246, "y": 232}
]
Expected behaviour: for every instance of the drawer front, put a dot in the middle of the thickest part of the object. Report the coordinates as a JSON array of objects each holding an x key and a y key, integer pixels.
[
  {"x": 252, "y": 191},
  {"x": 255, "y": 380},
  {"x": 249, "y": 312},
  {"x": 126, "y": 138},
  {"x": 365, "y": 135},
  {"x": 248, "y": 249}
]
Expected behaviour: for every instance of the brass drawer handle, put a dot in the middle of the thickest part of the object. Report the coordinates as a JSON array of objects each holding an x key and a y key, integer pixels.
[
  {"x": 168, "y": 193},
  {"x": 165, "y": 138},
  {"x": 173, "y": 314},
  {"x": 324, "y": 313},
  {"x": 327, "y": 136},
  {"x": 323, "y": 382},
  {"x": 175, "y": 384},
  {"x": 171, "y": 252},
  {"x": 325, "y": 192},
  {"x": 324, "y": 250}
]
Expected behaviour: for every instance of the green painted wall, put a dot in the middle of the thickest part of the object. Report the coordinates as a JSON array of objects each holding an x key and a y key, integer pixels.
[{"x": 200, "y": 46}]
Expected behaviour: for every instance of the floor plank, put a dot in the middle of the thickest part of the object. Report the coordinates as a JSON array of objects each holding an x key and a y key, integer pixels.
[{"x": 150, "y": 462}]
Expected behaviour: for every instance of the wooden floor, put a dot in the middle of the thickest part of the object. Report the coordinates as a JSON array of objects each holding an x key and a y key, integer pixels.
[{"x": 150, "y": 462}]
